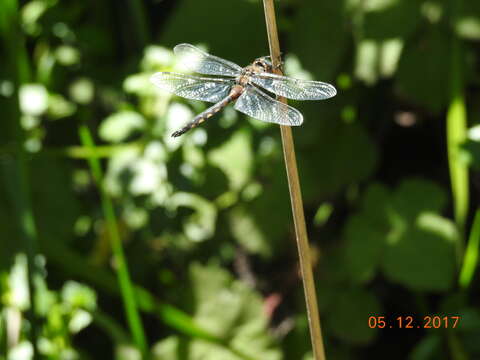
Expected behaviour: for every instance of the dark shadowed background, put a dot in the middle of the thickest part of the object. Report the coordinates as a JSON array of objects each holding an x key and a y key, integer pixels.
[{"x": 120, "y": 242}]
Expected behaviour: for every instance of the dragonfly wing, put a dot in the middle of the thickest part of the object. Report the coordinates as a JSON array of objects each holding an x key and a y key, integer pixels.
[
  {"x": 257, "y": 104},
  {"x": 193, "y": 87},
  {"x": 294, "y": 88},
  {"x": 199, "y": 61}
]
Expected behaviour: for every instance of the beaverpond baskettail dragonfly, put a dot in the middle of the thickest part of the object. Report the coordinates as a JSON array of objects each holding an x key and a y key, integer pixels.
[{"x": 242, "y": 85}]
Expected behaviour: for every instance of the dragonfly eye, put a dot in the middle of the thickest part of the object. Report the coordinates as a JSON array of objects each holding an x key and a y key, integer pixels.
[{"x": 260, "y": 64}]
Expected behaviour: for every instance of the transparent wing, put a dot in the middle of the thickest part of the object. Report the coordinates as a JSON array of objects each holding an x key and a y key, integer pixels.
[
  {"x": 193, "y": 87},
  {"x": 257, "y": 104},
  {"x": 294, "y": 88},
  {"x": 199, "y": 61}
]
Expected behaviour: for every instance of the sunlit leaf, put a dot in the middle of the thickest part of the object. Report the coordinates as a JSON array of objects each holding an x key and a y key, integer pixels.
[
  {"x": 235, "y": 158},
  {"x": 19, "y": 294},
  {"x": 229, "y": 309},
  {"x": 77, "y": 295},
  {"x": 119, "y": 126},
  {"x": 395, "y": 231},
  {"x": 246, "y": 231},
  {"x": 82, "y": 91},
  {"x": 21, "y": 351},
  {"x": 201, "y": 224},
  {"x": 33, "y": 99}
]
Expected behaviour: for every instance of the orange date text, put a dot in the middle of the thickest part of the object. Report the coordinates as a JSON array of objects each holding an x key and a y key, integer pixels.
[{"x": 412, "y": 322}]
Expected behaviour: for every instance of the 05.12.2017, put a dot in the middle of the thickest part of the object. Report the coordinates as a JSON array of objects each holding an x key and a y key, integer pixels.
[{"x": 412, "y": 322}]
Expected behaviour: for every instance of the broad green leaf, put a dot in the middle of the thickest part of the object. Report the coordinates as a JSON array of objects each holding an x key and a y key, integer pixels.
[
  {"x": 235, "y": 158},
  {"x": 229, "y": 309},
  {"x": 401, "y": 234},
  {"x": 364, "y": 248},
  {"x": 201, "y": 224},
  {"x": 314, "y": 33},
  {"x": 331, "y": 145},
  {"x": 427, "y": 348},
  {"x": 421, "y": 76},
  {"x": 247, "y": 232},
  {"x": 416, "y": 195},
  {"x": 422, "y": 257},
  {"x": 398, "y": 19},
  {"x": 349, "y": 313},
  {"x": 119, "y": 126}
]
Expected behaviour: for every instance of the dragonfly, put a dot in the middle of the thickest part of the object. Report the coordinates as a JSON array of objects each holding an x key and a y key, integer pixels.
[{"x": 247, "y": 87}]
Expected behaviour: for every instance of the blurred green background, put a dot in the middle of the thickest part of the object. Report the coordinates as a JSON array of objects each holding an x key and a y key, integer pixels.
[{"x": 120, "y": 242}]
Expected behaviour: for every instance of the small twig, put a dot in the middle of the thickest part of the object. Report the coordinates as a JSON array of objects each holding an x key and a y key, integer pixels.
[{"x": 296, "y": 199}]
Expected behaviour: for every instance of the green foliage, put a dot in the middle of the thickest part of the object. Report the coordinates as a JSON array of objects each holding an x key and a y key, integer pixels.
[
  {"x": 400, "y": 234},
  {"x": 59, "y": 314},
  {"x": 136, "y": 214},
  {"x": 230, "y": 310}
]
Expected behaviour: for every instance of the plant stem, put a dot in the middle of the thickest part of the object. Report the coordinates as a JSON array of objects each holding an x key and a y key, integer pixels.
[
  {"x": 125, "y": 283},
  {"x": 457, "y": 129},
  {"x": 296, "y": 199},
  {"x": 470, "y": 259}
]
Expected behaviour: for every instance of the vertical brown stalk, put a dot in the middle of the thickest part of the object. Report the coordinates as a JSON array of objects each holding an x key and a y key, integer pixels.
[{"x": 296, "y": 199}]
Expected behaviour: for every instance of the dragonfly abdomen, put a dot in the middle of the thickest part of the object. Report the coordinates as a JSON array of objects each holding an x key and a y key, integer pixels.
[{"x": 200, "y": 118}]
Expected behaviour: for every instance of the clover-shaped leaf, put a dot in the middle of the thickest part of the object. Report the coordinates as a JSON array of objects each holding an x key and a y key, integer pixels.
[{"x": 401, "y": 234}]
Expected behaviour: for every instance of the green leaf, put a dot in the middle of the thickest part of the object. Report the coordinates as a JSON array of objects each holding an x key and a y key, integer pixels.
[
  {"x": 401, "y": 234},
  {"x": 428, "y": 348},
  {"x": 422, "y": 257},
  {"x": 77, "y": 295},
  {"x": 309, "y": 21},
  {"x": 329, "y": 144},
  {"x": 416, "y": 195},
  {"x": 235, "y": 158},
  {"x": 422, "y": 68},
  {"x": 201, "y": 224},
  {"x": 119, "y": 126},
  {"x": 396, "y": 20},
  {"x": 365, "y": 234},
  {"x": 247, "y": 232},
  {"x": 364, "y": 248},
  {"x": 229, "y": 309},
  {"x": 349, "y": 315}
]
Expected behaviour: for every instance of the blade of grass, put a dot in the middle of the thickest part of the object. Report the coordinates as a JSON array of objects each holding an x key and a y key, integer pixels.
[
  {"x": 457, "y": 129},
  {"x": 81, "y": 152},
  {"x": 296, "y": 199},
  {"x": 470, "y": 259},
  {"x": 125, "y": 283}
]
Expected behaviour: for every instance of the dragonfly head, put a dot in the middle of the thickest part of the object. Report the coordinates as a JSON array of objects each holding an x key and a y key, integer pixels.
[{"x": 263, "y": 64}]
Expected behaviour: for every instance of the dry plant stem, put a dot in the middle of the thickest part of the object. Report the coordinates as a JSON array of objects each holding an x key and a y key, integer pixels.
[{"x": 296, "y": 200}]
